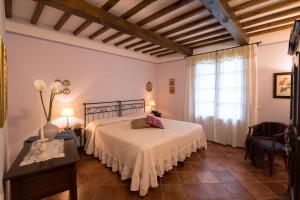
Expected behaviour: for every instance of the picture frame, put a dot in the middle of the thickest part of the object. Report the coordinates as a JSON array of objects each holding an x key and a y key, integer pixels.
[
  {"x": 282, "y": 83},
  {"x": 172, "y": 82},
  {"x": 172, "y": 90}
]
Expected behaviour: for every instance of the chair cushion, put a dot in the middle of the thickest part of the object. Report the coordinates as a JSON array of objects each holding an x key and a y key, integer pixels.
[{"x": 267, "y": 145}]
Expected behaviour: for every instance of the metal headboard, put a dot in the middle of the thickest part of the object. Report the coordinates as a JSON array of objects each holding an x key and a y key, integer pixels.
[{"x": 99, "y": 110}]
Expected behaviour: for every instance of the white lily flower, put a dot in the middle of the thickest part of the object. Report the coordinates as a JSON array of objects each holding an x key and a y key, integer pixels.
[
  {"x": 39, "y": 85},
  {"x": 55, "y": 87}
]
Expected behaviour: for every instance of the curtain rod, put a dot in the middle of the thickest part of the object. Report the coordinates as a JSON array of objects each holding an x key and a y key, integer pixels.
[{"x": 257, "y": 43}]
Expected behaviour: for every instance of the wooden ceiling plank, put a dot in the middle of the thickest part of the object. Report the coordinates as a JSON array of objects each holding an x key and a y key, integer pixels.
[
  {"x": 212, "y": 39},
  {"x": 166, "y": 54},
  {"x": 108, "y": 5},
  {"x": 271, "y": 17},
  {"x": 126, "y": 15},
  {"x": 98, "y": 15},
  {"x": 37, "y": 13},
  {"x": 196, "y": 30},
  {"x": 213, "y": 43},
  {"x": 272, "y": 24},
  {"x": 114, "y": 36},
  {"x": 134, "y": 44},
  {"x": 266, "y": 9},
  {"x": 153, "y": 49},
  {"x": 223, "y": 13},
  {"x": 203, "y": 35},
  {"x": 279, "y": 28},
  {"x": 168, "y": 22},
  {"x": 248, "y": 4},
  {"x": 185, "y": 26},
  {"x": 62, "y": 20},
  {"x": 163, "y": 12},
  {"x": 8, "y": 8}
]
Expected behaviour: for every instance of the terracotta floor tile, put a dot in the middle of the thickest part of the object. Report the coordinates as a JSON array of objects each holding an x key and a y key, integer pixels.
[
  {"x": 195, "y": 192},
  {"x": 280, "y": 189},
  {"x": 238, "y": 191},
  {"x": 244, "y": 176},
  {"x": 170, "y": 178},
  {"x": 258, "y": 190},
  {"x": 225, "y": 177},
  {"x": 217, "y": 191},
  {"x": 216, "y": 167},
  {"x": 173, "y": 192},
  {"x": 207, "y": 177},
  {"x": 189, "y": 177},
  {"x": 185, "y": 166}
]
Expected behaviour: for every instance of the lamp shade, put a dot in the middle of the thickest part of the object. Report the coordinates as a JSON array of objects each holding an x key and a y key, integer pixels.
[
  {"x": 152, "y": 103},
  {"x": 67, "y": 112}
]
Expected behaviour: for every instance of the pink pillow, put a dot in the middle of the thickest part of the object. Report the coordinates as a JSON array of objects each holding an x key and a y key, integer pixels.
[{"x": 154, "y": 122}]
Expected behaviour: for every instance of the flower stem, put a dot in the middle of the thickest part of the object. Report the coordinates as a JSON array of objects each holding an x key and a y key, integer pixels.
[
  {"x": 41, "y": 96},
  {"x": 50, "y": 107}
]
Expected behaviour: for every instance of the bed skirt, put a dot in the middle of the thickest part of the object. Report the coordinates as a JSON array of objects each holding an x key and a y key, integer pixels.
[{"x": 142, "y": 180}]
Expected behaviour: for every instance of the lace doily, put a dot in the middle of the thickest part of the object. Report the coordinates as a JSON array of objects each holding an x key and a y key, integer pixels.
[{"x": 44, "y": 151}]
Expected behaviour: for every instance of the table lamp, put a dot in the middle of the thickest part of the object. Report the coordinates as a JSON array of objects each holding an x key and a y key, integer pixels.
[
  {"x": 152, "y": 104},
  {"x": 67, "y": 112}
]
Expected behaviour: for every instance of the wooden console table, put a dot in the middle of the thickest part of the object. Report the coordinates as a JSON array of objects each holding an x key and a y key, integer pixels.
[{"x": 39, "y": 180}]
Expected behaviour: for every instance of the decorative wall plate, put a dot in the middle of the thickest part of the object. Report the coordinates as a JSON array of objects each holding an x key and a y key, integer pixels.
[
  {"x": 66, "y": 91},
  {"x": 66, "y": 83},
  {"x": 57, "y": 80},
  {"x": 149, "y": 86}
]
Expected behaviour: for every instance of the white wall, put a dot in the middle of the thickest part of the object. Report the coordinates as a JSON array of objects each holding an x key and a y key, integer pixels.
[
  {"x": 94, "y": 76},
  {"x": 3, "y": 131},
  {"x": 272, "y": 58}
]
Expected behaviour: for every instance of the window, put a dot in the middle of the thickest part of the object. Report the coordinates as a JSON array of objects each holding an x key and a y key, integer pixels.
[{"x": 220, "y": 89}]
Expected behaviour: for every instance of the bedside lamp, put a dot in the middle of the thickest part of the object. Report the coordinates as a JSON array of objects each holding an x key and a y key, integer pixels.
[
  {"x": 67, "y": 112},
  {"x": 152, "y": 104}
]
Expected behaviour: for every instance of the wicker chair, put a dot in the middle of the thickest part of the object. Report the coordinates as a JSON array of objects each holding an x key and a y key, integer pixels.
[{"x": 266, "y": 137}]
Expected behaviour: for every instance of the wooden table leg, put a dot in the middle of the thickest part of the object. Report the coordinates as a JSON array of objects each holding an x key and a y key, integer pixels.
[{"x": 73, "y": 189}]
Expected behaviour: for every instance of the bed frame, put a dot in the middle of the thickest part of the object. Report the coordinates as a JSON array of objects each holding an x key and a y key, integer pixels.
[{"x": 100, "y": 110}]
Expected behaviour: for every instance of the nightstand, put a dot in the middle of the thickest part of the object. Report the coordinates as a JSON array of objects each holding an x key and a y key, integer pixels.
[{"x": 156, "y": 113}]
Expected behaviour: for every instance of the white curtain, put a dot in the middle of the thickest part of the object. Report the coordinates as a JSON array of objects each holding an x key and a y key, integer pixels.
[{"x": 220, "y": 93}]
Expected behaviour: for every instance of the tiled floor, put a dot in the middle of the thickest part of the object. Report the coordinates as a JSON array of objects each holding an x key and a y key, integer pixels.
[{"x": 218, "y": 173}]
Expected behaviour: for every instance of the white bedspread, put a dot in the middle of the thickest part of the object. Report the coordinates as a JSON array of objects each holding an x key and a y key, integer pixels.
[{"x": 143, "y": 154}]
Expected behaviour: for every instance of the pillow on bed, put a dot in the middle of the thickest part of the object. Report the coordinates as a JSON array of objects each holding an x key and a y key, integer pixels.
[
  {"x": 139, "y": 123},
  {"x": 154, "y": 122}
]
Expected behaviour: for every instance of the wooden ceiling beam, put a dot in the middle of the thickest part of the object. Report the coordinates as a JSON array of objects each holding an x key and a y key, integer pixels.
[
  {"x": 126, "y": 15},
  {"x": 289, "y": 20},
  {"x": 92, "y": 13},
  {"x": 180, "y": 28},
  {"x": 223, "y": 13},
  {"x": 8, "y": 8},
  {"x": 144, "y": 47},
  {"x": 162, "y": 12},
  {"x": 213, "y": 43},
  {"x": 152, "y": 49},
  {"x": 169, "y": 22},
  {"x": 37, "y": 13},
  {"x": 166, "y": 54},
  {"x": 62, "y": 20},
  {"x": 279, "y": 28},
  {"x": 108, "y": 5},
  {"x": 159, "y": 52},
  {"x": 271, "y": 17},
  {"x": 266, "y": 9}
]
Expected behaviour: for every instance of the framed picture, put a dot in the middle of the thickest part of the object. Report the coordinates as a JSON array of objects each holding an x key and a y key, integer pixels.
[
  {"x": 282, "y": 85},
  {"x": 172, "y": 90},
  {"x": 172, "y": 82}
]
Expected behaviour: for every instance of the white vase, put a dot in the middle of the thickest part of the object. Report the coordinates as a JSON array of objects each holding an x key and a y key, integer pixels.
[{"x": 50, "y": 130}]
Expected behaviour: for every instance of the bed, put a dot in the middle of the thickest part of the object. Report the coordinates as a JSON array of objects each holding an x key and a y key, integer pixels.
[{"x": 139, "y": 154}]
